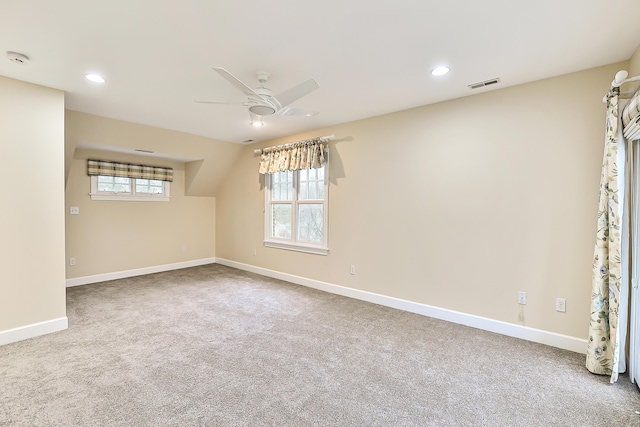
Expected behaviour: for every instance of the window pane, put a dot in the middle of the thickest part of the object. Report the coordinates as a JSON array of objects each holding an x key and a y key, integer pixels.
[
  {"x": 157, "y": 189},
  {"x": 149, "y": 186},
  {"x": 311, "y": 184},
  {"x": 114, "y": 184},
  {"x": 282, "y": 185},
  {"x": 320, "y": 188},
  {"x": 281, "y": 221},
  {"x": 122, "y": 188},
  {"x": 310, "y": 223}
]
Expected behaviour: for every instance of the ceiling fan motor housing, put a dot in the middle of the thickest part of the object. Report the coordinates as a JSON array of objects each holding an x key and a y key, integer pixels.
[
  {"x": 262, "y": 109},
  {"x": 266, "y": 106}
]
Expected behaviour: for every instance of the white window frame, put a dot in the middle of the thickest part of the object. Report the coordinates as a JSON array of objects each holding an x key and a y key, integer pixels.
[
  {"x": 130, "y": 197},
  {"x": 293, "y": 244}
]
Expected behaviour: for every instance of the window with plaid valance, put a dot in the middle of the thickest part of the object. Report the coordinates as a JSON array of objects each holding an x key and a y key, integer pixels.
[{"x": 128, "y": 170}]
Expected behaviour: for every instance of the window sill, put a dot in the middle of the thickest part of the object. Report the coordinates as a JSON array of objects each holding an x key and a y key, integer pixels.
[
  {"x": 316, "y": 250},
  {"x": 122, "y": 197}
]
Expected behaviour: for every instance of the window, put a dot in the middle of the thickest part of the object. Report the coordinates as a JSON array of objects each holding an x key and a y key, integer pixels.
[
  {"x": 126, "y": 181},
  {"x": 296, "y": 210},
  {"x": 120, "y": 188}
]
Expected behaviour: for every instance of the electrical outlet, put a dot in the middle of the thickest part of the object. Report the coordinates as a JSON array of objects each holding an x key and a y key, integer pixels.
[
  {"x": 561, "y": 305},
  {"x": 72, "y": 261},
  {"x": 254, "y": 252},
  {"x": 74, "y": 210},
  {"x": 353, "y": 269},
  {"x": 522, "y": 298}
]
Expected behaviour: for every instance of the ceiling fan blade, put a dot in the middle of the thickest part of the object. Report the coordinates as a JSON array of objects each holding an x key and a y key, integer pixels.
[
  {"x": 216, "y": 102},
  {"x": 288, "y": 96},
  {"x": 236, "y": 82},
  {"x": 293, "y": 111}
]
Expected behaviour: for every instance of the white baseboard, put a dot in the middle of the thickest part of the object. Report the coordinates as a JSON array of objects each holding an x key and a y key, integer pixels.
[
  {"x": 34, "y": 330},
  {"x": 553, "y": 339},
  {"x": 85, "y": 280}
]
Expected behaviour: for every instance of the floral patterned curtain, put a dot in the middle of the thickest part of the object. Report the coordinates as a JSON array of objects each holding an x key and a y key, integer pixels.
[
  {"x": 603, "y": 349},
  {"x": 298, "y": 155}
]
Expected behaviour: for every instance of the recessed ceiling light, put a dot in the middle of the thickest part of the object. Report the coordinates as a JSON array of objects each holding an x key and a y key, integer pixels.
[
  {"x": 440, "y": 71},
  {"x": 96, "y": 78},
  {"x": 257, "y": 123}
]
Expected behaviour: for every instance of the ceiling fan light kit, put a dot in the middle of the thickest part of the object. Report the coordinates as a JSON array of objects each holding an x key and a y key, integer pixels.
[{"x": 262, "y": 102}]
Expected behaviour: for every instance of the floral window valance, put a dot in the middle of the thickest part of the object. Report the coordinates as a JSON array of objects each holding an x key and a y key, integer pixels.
[
  {"x": 128, "y": 170},
  {"x": 309, "y": 154}
]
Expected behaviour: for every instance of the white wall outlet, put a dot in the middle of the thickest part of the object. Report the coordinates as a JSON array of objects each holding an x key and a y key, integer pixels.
[
  {"x": 72, "y": 261},
  {"x": 353, "y": 269},
  {"x": 74, "y": 210},
  {"x": 561, "y": 305},
  {"x": 254, "y": 252},
  {"x": 184, "y": 248},
  {"x": 522, "y": 298}
]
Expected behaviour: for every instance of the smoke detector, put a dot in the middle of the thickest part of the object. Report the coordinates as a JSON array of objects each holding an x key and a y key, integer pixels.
[{"x": 18, "y": 58}]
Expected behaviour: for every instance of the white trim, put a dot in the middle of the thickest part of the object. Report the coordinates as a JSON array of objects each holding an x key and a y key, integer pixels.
[
  {"x": 122, "y": 197},
  {"x": 34, "y": 330},
  {"x": 293, "y": 244},
  {"x": 129, "y": 197},
  {"x": 297, "y": 247},
  {"x": 553, "y": 339},
  {"x": 85, "y": 280}
]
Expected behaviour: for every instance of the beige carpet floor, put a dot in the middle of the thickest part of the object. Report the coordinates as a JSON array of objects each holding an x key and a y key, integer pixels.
[{"x": 215, "y": 346}]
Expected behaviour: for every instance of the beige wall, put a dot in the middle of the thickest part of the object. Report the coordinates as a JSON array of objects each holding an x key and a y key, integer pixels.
[
  {"x": 32, "y": 289},
  {"x": 208, "y": 160},
  {"x": 458, "y": 205},
  {"x": 634, "y": 64},
  {"x": 114, "y": 236}
]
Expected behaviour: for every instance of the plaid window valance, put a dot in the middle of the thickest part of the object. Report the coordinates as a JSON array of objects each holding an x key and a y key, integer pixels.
[{"x": 127, "y": 170}]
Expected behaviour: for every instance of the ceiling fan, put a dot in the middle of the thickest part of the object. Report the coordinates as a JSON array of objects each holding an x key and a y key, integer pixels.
[{"x": 262, "y": 102}]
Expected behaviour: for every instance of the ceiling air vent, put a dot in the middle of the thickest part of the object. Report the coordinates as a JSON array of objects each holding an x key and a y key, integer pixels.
[{"x": 484, "y": 83}]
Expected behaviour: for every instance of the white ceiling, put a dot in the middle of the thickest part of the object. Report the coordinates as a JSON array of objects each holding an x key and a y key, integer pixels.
[{"x": 370, "y": 57}]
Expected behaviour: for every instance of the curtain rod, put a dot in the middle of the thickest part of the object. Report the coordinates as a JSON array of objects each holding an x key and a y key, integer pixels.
[
  {"x": 619, "y": 80},
  {"x": 321, "y": 138}
]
